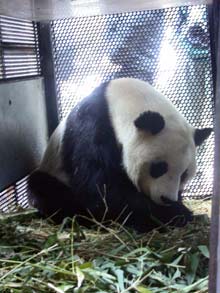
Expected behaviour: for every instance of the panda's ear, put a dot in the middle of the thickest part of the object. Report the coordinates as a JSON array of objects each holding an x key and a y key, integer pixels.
[
  {"x": 200, "y": 135},
  {"x": 150, "y": 121}
]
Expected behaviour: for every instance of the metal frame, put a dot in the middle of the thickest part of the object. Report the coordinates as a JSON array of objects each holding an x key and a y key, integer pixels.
[
  {"x": 53, "y": 9},
  {"x": 214, "y": 264},
  {"x": 47, "y": 67}
]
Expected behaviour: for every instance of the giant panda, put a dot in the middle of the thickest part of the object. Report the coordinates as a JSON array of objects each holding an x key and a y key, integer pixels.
[{"x": 124, "y": 154}]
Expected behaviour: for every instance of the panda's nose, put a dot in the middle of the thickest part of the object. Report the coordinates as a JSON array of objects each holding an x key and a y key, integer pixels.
[{"x": 166, "y": 200}]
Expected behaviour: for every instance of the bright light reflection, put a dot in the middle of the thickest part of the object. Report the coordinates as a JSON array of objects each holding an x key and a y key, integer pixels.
[{"x": 167, "y": 61}]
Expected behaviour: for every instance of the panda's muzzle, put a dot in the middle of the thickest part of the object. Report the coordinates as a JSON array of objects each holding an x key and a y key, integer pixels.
[{"x": 166, "y": 201}]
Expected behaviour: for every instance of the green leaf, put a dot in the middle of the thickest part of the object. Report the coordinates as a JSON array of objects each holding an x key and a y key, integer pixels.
[
  {"x": 120, "y": 276},
  {"x": 167, "y": 257},
  {"x": 162, "y": 279},
  {"x": 177, "y": 274},
  {"x": 194, "y": 262},
  {"x": 177, "y": 260},
  {"x": 51, "y": 240},
  {"x": 80, "y": 277},
  {"x": 66, "y": 287},
  {"x": 200, "y": 284},
  {"x": 133, "y": 270},
  {"x": 86, "y": 265},
  {"x": 204, "y": 250},
  {"x": 142, "y": 289},
  {"x": 138, "y": 251}
]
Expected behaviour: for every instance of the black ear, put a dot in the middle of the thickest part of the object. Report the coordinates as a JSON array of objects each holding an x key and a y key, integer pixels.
[
  {"x": 201, "y": 134},
  {"x": 150, "y": 121}
]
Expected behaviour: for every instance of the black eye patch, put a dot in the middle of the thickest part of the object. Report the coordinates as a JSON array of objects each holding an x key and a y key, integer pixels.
[
  {"x": 184, "y": 176},
  {"x": 158, "y": 169}
]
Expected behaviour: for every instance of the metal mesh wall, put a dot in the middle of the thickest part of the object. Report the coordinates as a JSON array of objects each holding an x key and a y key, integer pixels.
[{"x": 168, "y": 47}]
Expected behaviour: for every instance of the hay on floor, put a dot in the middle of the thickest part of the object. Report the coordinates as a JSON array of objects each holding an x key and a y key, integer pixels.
[{"x": 38, "y": 256}]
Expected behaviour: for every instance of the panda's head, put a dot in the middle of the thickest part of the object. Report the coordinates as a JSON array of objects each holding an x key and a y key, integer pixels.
[
  {"x": 158, "y": 144},
  {"x": 168, "y": 155}
]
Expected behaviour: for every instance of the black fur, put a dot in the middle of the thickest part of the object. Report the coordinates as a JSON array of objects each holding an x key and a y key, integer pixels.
[
  {"x": 184, "y": 176},
  {"x": 98, "y": 183},
  {"x": 201, "y": 135},
  {"x": 150, "y": 121},
  {"x": 158, "y": 169}
]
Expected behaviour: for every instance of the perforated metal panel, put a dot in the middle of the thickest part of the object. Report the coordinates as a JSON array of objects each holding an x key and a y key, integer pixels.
[{"x": 168, "y": 47}]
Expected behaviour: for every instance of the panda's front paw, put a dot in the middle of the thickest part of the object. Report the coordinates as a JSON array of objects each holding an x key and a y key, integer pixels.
[
  {"x": 173, "y": 213},
  {"x": 180, "y": 214}
]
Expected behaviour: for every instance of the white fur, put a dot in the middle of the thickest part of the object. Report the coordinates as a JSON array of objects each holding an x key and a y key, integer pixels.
[
  {"x": 52, "y": 161},
  {"x": 127, "y": 99}
]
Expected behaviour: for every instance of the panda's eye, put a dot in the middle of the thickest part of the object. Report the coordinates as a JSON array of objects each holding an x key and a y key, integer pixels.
[
  {"x": 158, "y": 169},
  {"x": 183, "y": 176}
]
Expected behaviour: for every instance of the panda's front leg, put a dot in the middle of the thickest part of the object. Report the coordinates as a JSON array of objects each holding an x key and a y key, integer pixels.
[
  {"x": 146, "y": 215},
  {"x": 175, "y": 212},
  {"x": 136, "y": 211}
]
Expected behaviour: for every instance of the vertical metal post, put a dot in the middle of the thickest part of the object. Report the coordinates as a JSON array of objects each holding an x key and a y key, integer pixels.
[
  {"x": 214, "y": 264},
  {"x": 47, "y": 67}
]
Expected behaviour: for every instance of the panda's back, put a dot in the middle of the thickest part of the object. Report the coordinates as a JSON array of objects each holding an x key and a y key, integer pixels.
[{"x": 83, "y": 143}]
